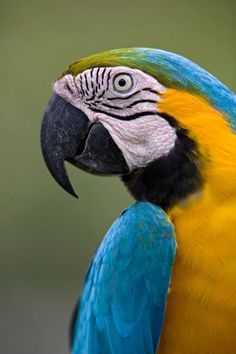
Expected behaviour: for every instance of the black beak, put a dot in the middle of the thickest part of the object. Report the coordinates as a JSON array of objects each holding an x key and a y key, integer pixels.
[{"x": 67, "y": 134}]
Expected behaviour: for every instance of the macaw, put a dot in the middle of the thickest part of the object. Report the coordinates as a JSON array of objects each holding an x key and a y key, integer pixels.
[{"x": 164, "y": 277}]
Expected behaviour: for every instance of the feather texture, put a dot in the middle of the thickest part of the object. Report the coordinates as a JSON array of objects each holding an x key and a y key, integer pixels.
[
  {"x": 171, "y": 70},
  {"x": 124, "y": 295}
]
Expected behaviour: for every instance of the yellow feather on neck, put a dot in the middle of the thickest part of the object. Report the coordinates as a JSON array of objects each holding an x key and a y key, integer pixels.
[
  {"x": 201, "y": 307},
  {"x": 213, "y": 134}
]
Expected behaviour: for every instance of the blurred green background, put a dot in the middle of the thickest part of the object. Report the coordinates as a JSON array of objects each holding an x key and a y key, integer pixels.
[{"x": 47, "y": 238}]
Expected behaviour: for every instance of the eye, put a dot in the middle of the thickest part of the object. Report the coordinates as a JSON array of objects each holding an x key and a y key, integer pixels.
[{"x": 123, "y": 82}]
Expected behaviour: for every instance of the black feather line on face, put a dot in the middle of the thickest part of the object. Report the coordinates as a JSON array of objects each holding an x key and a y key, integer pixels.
[
  {"x": 86, "y": 82},
  {"x": 131, "y": 95},
  {"x": 103, "y": 74},
  {"x": 131, "y": 117},
  {"x": 101, "y": 94},
  {"x": 97, "y": 75},
  {"x": 81, "y": 86},
  {"x": 170, "y": 178},
  {"x": 135, "y": 103}
]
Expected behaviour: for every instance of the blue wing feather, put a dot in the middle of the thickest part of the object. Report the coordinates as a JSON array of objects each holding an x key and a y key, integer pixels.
[{"x": 124, "y": 296}]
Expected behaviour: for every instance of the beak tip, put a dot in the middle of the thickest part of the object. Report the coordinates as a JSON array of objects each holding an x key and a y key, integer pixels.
[
  {"x": 66, "y": 185},
  {"x": 75, "y": 195},
  {"x": 69, "y": 190}
]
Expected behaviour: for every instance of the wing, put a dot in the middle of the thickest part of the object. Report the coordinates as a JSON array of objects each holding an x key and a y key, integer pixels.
[{"x": 123, "y": 301}]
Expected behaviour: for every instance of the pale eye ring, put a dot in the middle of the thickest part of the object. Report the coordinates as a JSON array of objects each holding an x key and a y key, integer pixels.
[{"x": 123, "y": 82}]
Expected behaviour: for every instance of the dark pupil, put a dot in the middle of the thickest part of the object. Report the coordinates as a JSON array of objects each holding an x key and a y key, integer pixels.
[{"x": 122, "y": 82}]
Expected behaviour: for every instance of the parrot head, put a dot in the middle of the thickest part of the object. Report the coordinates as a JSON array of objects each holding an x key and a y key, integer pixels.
[{"x": 154, "y": 118}]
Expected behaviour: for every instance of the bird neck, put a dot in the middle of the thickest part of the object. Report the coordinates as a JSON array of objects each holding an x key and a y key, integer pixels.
[
  {"x": 213, "y": 135},
  {"x": 202, "y": 163}
]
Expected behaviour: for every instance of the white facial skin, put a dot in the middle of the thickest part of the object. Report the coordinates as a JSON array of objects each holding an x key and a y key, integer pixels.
[{"x": 125, "y": 101}]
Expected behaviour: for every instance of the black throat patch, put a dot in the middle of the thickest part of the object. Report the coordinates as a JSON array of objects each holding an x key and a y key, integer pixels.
[{"x": 171, "y": 178}]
